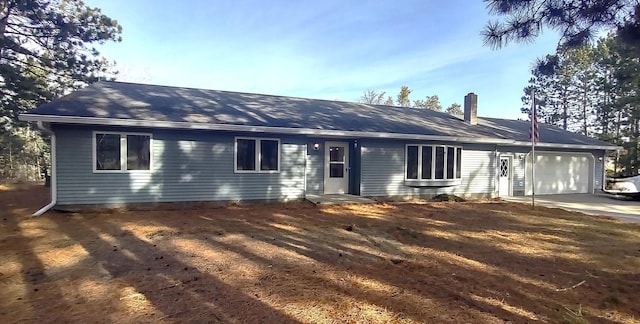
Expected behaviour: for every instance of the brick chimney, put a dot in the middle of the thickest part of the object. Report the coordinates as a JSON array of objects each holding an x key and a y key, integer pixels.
[{"x": 471, "y": 108}]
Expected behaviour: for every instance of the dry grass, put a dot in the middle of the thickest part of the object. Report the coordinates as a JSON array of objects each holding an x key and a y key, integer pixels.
[
  {"x": 439, "y": 262},
  {"x": 17, "y": 186}
]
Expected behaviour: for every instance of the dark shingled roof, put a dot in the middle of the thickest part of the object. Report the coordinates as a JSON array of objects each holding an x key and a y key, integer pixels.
[{"x": 151, "y": 103}]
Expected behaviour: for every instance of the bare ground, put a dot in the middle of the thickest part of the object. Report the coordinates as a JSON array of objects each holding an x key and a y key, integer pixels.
[{"x": 286, "y": 263}]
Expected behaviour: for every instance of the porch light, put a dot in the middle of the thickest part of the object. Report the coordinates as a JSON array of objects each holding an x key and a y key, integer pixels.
[{"x": 316, "y": 146}]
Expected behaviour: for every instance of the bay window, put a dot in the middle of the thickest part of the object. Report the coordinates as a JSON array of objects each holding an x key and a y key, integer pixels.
[{"x": 431, "y": 163}]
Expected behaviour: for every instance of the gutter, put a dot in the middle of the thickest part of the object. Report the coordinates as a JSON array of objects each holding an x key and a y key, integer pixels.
[
  {"x": 297, "y": 131},
  {"x": 570, "y": 146},
  {"x": 54, "y": 182}
]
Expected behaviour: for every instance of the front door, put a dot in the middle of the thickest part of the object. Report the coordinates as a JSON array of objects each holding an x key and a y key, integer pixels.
[
  {"x": 504, "y": 180},
  {"x": 336, "y": 168}
]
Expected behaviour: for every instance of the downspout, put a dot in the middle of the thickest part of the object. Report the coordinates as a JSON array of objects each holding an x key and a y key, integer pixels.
[
  {"x": 603, "y": 184},
  {"x": 496, "y": 175},
  {"x": 53, "y": 183},
  {"x": 593, "y": 173}
]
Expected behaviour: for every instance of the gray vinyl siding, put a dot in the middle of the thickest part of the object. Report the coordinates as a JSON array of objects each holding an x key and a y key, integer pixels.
[
  {"x": 186, "y": 166},
  {"x": 518, "y": 175},
  {"x": 198, "y": 166},
  {"x": 383, "y": 167},
  {"x": 315, "y": 168},
  {"x": 598, "y": 172},
  {"x": 599, "y": 175}
]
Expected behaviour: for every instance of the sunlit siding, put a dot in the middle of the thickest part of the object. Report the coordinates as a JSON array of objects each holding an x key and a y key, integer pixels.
[
  {"x": 599, "y": 171},
  {"x": 315, "y": 168},
  {"x": 186, "y": 166},
  {"x": 518, "y": 170},
  {"x": 383, "y": 171}
]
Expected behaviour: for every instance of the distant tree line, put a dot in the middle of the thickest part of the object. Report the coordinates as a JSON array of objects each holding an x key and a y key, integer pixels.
[
  {"x": 402, "y": 99},
  {"x": 593, "y": 90},
  {"x": 589, "y": 85}
]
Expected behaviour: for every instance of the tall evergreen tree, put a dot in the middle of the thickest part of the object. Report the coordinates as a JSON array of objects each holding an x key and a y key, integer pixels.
[
  {"x": 45, "y": 50},
  {"x": 576, "y": 20},
  {"x": 592, "y": 90}
]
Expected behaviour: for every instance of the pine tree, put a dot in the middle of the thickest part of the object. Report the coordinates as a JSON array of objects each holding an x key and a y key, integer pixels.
[
  {"x": 403, "y": 97},
  {"x": 45, "y": 51}
]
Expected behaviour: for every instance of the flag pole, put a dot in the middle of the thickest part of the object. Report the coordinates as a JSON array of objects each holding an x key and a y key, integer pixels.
[{"x": 533, "y": 149}]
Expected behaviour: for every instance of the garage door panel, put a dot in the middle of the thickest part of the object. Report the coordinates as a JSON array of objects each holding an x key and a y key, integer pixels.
[{"x": 560, "y": 173}]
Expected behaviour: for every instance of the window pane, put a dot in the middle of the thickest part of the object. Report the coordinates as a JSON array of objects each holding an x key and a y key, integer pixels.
[
  {"x": 412, "y": 162},
  {"x": 458, "y": 163},
  {"x": 246, "y": 154},
  {"x": 427, "y": 152},
  {"x": 107, "y": 152},
  {"x": 450, "y": 162},
  {"x": 336, "y": 170},
  {"x": 268, "y": 155},
  {"x": 439, "y": 162},
  {"x": 138, "y": 153},
  {"x": 336, "y": 154}
]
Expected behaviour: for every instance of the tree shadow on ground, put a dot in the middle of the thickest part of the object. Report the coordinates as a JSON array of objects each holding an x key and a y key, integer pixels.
[
  {"x": 173, "y": 287},
  {"x": 36, "y": 285},
  {"x": 532, "y": 276},
  {"x": 290, "y": 262}
]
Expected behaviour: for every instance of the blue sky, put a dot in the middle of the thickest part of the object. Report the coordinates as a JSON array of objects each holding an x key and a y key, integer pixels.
[{"x": 322, "y": 49}]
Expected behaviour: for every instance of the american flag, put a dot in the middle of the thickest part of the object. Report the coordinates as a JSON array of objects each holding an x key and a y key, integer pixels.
[{"x": 534, "y": 134}]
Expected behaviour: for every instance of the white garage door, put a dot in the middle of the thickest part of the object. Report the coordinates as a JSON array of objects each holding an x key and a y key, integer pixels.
[{"x": 561, "y": 173}]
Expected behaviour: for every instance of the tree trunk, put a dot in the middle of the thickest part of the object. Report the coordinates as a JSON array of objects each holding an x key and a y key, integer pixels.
[
  {"x": 635, "y": 163},
  {"x": 605, "y": 116},
  {"x": 5, "y": 7},
  {"x": 617, "y": 141},
  {"x": 5, "y": 11},
  {"x": 584, "y": 112},
  {"x": 564, "y": 109}
]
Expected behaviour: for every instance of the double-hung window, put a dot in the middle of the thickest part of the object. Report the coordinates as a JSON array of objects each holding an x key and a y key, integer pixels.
[
  {"x": 431, "y": 163},
  {"x": 121, "y": 152},
  {"x": 257, "y": 154}
]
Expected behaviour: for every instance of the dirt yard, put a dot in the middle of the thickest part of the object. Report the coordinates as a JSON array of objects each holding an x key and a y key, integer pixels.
[{"x": 288, "y": 263}]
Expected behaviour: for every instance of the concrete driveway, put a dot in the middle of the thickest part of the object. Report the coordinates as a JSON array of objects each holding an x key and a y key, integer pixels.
[{"x": 598, "y": 204}]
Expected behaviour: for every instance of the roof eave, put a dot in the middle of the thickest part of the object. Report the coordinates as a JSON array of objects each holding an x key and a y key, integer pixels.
[
  {"x": 288, "y": 130},
  {"x": 570, "y": 146}
]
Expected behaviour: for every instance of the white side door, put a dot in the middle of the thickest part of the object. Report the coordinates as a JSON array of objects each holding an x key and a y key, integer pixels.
[
  {"x": 504, "y": 178},
  {"x": 336, "y": 168}
]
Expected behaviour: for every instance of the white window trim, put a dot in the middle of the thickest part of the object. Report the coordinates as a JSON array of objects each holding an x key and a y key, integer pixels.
[
  {"x": 433, "y": 162},
  {"x": 258, "y": 154},
  {"x": 458, "y": 158},
  {"x": 123, "y": 152}
]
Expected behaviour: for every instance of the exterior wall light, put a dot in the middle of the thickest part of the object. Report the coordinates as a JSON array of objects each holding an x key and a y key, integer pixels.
[{"x": 316, "y": 146}]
